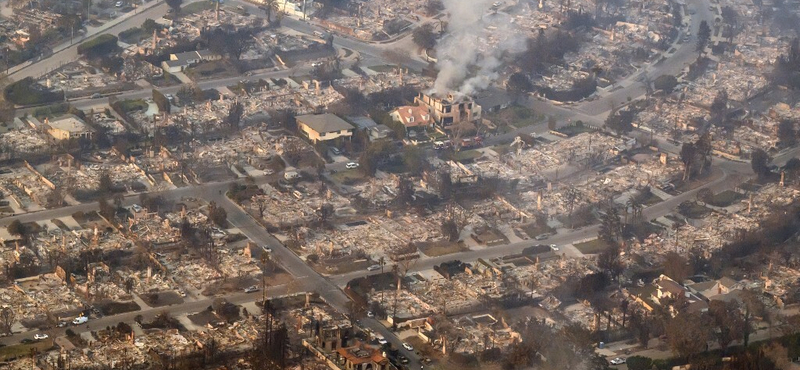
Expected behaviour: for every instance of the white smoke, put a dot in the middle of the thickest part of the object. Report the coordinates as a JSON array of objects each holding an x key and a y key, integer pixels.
[{"x": 471, "y": 52}]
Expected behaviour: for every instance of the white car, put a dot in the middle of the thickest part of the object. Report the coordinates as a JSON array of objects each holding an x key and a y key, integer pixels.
[
  {"x": 370, "y": 314},
  {"x": 251, "y": 289},
  {"x": 40, "y": 336},
  {"x": 407, "y": 346},
  {"x": 351, "y": 165},
  {"x": 554, "y": 247},
  {"x": 374, "y": 268},
  {"x": 118, "y": 4},
  {"x": 618, "y": 361}
]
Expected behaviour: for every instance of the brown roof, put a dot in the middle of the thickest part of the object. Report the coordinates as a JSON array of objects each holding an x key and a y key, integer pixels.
[
  {"x": 413, "y": 116},
  {"x": 670, "y": 285},
  {"x": 323, "y": 123},
  {"x": 362, "y": 353}
]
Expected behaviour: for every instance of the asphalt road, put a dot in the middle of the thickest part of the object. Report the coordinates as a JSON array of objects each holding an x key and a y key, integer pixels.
[
  {"x": 70, "y": 53},
  {"x": 305, "y": 277}
]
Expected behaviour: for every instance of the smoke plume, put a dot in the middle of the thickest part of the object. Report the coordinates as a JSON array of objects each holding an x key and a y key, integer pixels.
[{"x": 471, "y": 52}]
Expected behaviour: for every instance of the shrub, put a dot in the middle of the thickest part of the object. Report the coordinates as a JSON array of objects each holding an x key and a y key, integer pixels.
[
  {"x": 27, "y": 92},
  {"x": 99, "y": 45}
]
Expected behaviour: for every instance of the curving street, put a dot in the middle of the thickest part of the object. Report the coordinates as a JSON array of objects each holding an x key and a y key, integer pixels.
[{"x": 729, "y": 173}]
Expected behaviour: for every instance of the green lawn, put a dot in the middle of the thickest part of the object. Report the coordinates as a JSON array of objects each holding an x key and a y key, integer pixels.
[
  {"x": 349, "y": 177},
  {"x": 693, "y": 210},
  {"x": 466, "y": 155},
  {"x": 652, "y": 199},
  {"x": 592, "y": 246},
  {"x": 22, "y": 350},
  {"x": 726, "y": 198},
  {"x": 132, "y": 105},
  {"x": 574, "y": 130},
  {"x": 517, "y": 116},
  {"x": 533, "y": 230},
  {"x": 197, "y": 7}
]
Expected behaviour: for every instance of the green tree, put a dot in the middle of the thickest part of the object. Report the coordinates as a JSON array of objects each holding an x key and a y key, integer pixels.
[
  {"x": 759, "y": 161},
  {"x": 703, "y": 37},
  {"x": 106, "y": 209},
  {"x": 639, "y": 363},
  {"x": 7, "y": 317},
  {"x": 665, "y": 83},
  {"x": 688, "y": 157},
  {"x": 727, "y": 320},
  {"x": 235, "y": 113},
  {"x": 688, "y": 334},
  {"x": 610, "y": 226},
  {"x": 376, "y": 153},
  {"x": 16, "y": 228},
  {"x": 424, "y": 36},
  {"x": 105, "y": 184},
  {"x": 787, "y": 133},
  {"x": 175, "y": 5},
  {"x": 217, "y": 214},
  {"x": 414, "y": 159},
  {"x": 677, "y": 267},
  {"x": 161, "y": 101},
  {"x": 621, "y": 122}
]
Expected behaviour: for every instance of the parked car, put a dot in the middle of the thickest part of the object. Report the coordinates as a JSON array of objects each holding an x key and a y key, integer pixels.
[
  {"x": 374, "y": 268},
  {"x": 618, "y": 361},
  {"x": 40, "y": 336},
  {"x": 407, "y": 346},
  {"x": 554, "y": 247},
  {"x": 267, "y": 249},
  {"x": 336, "y": 151},
  {"x": 251, "y": 289},
  {"x": 542, "y": 236},
  {"x": 351, "y": 165},
  {"x": 370, "y": 314},
  {"x": 80, "y": 320}
]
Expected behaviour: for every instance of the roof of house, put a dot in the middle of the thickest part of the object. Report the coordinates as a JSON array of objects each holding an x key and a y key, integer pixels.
[
  {"x": 412, "y": 116},
  {"x": 363, "y": 122},
  {"x": 706, "y": 285},
  {"x": 382, "y": 129},
  {"x": 324, "y": 122},
  {"x": 184, "y": 57},
  {"x": 69, "y": 123},
  {"x": 727, "y": 282},
  {"x": 190, "y": 55},
  {"x": 361, "y": 353},
  {"x": 669, "y": 285}
]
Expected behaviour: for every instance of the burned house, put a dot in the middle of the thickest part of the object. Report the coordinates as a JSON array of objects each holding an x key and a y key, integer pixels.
[{"x": 450, "y": 110}]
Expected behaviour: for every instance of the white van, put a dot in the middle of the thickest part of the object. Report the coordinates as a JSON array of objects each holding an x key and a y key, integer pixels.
[{"x": 80, "y": 320}]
